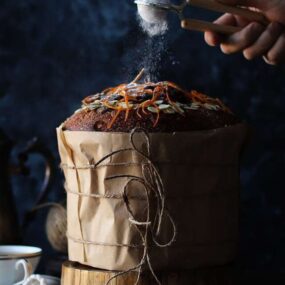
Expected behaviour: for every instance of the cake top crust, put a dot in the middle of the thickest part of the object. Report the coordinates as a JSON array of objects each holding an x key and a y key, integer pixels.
[
  {"x": 149, "y": 105},
  {"x": 162, "y": 97}
]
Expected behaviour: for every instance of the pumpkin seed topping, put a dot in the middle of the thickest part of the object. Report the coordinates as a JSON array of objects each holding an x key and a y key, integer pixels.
[{"x": 153, "y": 97}]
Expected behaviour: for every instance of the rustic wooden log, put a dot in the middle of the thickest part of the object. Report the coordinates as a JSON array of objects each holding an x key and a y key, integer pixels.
[{"x": 76, "y": 274}]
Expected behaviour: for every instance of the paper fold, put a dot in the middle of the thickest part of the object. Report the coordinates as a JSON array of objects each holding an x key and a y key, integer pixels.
[{"x": 200, "y": 172}]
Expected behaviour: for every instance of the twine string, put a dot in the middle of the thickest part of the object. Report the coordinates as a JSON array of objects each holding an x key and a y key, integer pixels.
[
  {"x": 152, "y": 186},
  {"x": 152, "y": 183}
]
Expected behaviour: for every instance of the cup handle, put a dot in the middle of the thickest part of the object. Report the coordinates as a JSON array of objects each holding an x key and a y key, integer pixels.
[
  {"x": 37, "y": 278},
  {"x": 28, "y": 269}
]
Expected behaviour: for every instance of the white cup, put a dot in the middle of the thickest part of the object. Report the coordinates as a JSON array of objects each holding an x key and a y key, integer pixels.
[{"x": 17, "y": 263}]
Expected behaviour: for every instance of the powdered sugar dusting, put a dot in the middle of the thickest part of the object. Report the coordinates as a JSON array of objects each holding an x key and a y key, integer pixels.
[
  {"x": 153, "y": 29},
  {"x": 153, "y": 55}
]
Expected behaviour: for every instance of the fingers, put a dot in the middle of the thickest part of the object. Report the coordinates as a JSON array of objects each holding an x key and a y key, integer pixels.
[
  {"x": 214, "y": 39},
  {"x": 276, "y": 55},
  {"x": 265, "y": 42},
  {"x": 243, "y": 39},
  {"x": 254, "y": 40}
]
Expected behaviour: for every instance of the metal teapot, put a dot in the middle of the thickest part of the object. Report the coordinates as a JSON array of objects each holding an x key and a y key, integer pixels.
[{"x": 10, "y": 230}]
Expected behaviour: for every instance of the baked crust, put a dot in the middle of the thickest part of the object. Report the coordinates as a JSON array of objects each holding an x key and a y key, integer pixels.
[{"x": 156, "y": 107}]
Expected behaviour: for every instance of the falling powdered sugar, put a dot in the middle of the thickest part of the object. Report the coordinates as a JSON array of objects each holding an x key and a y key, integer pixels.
[
  {"x": 153, "y": 55},
  {"x": 153, "y": 29}
]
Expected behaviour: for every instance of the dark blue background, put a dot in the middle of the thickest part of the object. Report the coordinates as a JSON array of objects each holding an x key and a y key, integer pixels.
[{"x": 53, "y": 53}]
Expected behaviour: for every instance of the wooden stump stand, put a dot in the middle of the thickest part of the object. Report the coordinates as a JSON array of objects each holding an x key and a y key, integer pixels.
[{"x": 77, "y": 274}]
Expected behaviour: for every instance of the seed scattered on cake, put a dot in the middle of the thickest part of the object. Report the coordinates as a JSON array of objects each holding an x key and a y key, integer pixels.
[
  {"x": 156, "y": 107},
  {"x": 147, "y": 98}
]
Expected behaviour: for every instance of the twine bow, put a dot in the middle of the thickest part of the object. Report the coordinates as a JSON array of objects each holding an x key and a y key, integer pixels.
[{"x": 149, "y": 229}]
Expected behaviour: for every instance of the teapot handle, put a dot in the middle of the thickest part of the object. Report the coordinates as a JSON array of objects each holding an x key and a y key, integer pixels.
[{"x": 36, "y": 147}]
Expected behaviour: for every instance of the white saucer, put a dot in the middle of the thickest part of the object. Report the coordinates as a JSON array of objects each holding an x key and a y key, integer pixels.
[{"x": 42, "y": 280}]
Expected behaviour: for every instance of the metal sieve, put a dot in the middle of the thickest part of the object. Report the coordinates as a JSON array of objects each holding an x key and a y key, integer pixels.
[{"x": 155, "y": 11}]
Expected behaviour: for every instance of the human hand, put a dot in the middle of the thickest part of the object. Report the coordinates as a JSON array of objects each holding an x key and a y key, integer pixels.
[{"x": 254, "y": 39}]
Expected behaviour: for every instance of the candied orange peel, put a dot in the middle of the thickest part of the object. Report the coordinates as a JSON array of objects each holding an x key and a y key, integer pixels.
[{"x": 149, "y": 97}]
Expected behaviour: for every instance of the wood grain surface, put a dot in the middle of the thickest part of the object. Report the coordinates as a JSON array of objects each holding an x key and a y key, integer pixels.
[{"x": 76, "y": 274}]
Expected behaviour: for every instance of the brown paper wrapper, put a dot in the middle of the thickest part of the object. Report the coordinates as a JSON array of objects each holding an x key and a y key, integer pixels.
[{"x": 200, "y": 171}]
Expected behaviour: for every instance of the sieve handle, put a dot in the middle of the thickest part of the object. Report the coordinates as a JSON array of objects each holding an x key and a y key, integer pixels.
[
  {"x": 202, "y": 26},
  {"x": 220, "y": 7}
]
